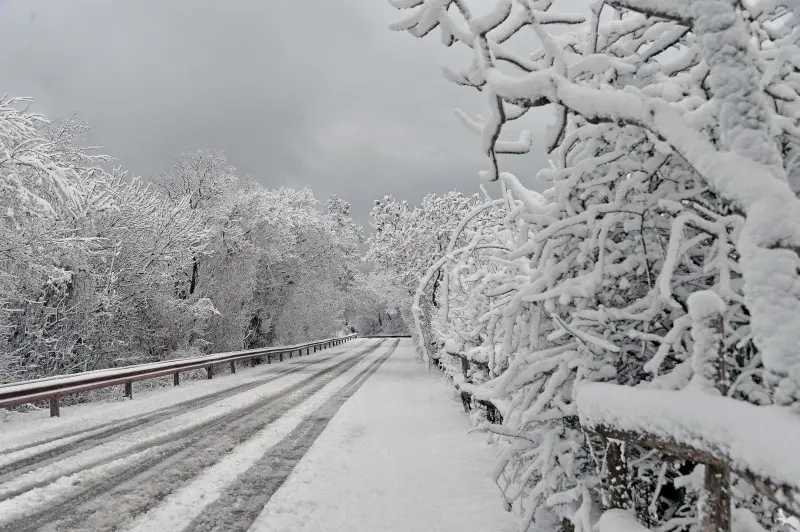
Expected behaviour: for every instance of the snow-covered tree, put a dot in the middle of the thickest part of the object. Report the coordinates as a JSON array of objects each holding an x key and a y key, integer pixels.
[
  {"x": 673, "y": 170},
  {"x": 49, "y": 195},
  {"x": 273, "y": 249},
  {"x": 98, "y": 269},
  {"x": 374, "y": 309},
  {"x": 406, "y": 241}
]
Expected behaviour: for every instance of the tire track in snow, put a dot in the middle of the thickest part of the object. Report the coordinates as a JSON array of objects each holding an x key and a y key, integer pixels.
[
  {"x": 190, "y": 433},
  {"x": 106, "y": 503},
  {"x": 107, "y": 431},
  {"x": 19, "y": 484},
  {"x": 241, "y": 503},
  {"x": 269, "y": 371}
]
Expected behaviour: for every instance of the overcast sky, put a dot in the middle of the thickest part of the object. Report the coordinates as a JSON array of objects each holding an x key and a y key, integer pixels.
[{"x": 295, "y": 92}]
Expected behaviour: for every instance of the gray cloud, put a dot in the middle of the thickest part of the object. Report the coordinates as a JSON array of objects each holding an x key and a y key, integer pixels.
[{"x": 299, "y": 93}]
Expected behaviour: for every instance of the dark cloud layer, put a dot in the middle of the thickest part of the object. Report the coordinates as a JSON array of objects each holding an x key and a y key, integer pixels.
[{"x": 301, "y": 92}]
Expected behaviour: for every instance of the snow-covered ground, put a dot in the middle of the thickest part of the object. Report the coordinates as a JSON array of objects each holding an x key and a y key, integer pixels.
[
  {"x": 395, "y": 458},
  {"x": 352, "y": 438}
]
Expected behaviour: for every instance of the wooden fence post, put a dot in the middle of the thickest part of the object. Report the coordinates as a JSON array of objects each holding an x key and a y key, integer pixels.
[
  {"x": 708, "y": 363},
  {"x": 619, "y": 491},
  {"x": 466, "y": 400},
  {"x": 714, "y": 506}
]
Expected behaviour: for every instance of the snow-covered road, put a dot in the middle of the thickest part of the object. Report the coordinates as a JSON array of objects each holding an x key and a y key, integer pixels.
[{"x": 216, "y": 455}]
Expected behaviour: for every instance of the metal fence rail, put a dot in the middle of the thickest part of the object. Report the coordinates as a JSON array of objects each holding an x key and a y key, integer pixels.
[{"x": 52, "y": 388}]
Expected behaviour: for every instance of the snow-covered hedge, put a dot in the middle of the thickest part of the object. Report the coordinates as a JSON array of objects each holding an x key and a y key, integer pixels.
[{"x": 673, "y": 169}]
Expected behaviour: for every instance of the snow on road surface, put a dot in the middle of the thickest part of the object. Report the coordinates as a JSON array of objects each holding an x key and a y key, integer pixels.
[
  {"x": 386, "y": 452},
  {"x": 395, "y": 458},
  {"x": 21, "y": 430}
]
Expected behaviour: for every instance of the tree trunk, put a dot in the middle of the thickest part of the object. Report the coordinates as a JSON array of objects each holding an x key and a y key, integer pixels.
[{"x": 193, "y": 282}]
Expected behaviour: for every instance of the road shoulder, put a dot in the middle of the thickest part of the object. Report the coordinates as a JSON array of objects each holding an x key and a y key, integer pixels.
[{"x": 394, "y": 458}]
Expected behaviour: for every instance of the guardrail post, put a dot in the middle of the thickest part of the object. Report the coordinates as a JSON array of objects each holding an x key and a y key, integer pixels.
[
  {"x": 233, "y": 366},
  {"x": 280, "y": 356},
  {"x": 129, "y": 389},
  {"x": 269, "y": 358},
  {"x": 210, "y": 371},
  {"x": 176, "y": 379},
  {"x": 54, "y": 408}
]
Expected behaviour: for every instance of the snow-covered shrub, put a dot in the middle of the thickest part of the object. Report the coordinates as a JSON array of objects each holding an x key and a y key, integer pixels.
[{"x": 673, "y": 170}]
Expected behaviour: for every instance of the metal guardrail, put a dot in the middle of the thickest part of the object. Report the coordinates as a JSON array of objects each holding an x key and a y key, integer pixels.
[{"x": 52, "y": 388}]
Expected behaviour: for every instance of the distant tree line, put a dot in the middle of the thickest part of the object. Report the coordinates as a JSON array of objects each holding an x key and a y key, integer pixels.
[{"x": 99, "y": 268}]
